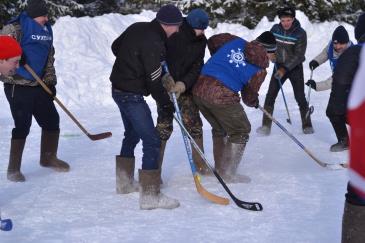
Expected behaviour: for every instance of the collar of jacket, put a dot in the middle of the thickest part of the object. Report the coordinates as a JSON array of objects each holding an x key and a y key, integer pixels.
[{"x": 156, "y": 26}]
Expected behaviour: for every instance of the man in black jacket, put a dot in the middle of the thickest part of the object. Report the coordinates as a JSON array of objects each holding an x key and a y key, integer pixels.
[
  {"x": 139, "y": 51},
  {"x": 342, "y": 80},
  {"x": 291, "y": 41},
  {"x": 185, "y": 58}
]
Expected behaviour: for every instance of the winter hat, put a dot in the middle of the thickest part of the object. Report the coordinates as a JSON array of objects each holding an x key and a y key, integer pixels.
[
  {"x": 287, "y": 11},
  {"x": 9, "y": 47},
  {"x": 169, "y": 15},
  {"x": 340, "y": 35},
  {"x": 198, "y": 19},
  {"x": 36, "y": 8},
  {"x": 360, "y": 27},
  {"x": 267, "y": 39}
]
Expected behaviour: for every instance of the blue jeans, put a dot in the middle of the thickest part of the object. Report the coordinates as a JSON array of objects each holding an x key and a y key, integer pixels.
[{"x": 138, "y": 124}]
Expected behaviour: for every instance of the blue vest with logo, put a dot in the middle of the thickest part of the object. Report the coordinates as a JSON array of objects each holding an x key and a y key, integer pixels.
[
  {"x": 229, "y": 66},
  {"x": 36, "y": 43},
  {"x": 331, "y": 58}
]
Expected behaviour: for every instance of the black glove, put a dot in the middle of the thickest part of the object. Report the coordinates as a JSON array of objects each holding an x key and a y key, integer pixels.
[
  {"x": 313, "y": 64},
  {"x": 53, "y": 89},
  {"x": 311, "y": 83}
]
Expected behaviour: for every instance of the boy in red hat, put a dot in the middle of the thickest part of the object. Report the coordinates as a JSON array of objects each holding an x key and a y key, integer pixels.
[{"x": 10, "y": 53}]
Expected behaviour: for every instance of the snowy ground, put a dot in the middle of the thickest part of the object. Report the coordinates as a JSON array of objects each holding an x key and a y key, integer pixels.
[{"x": 302, "y": 201}]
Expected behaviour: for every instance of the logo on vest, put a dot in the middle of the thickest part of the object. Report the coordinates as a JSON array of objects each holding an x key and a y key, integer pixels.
[
  {"x": 41, "y": 37},
  {"x": 237, "y": 57}
]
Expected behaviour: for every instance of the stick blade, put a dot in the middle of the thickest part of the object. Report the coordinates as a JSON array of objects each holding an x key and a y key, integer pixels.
[
  {"x": 6, "y": 224},
  {"x": 99, "y": 136},
  {"x": 337, "y": 166},
  {"x": 208, "y": 195},
  {"x": 253, "y": 206}
]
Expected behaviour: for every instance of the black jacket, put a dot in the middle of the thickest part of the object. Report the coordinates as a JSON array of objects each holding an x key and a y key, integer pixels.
[
  {"x": 291, "y": 45},
  {"x": 185, "y": 55},
  {"x": 139, "y": 51},
  {"x": 343, "y": 76}
]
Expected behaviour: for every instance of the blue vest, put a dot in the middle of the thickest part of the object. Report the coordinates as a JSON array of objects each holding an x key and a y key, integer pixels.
[
  {"x": 36, "y": 43},
  {"x": 229, "y": 66},
  {"x": 331, "y": 58}
]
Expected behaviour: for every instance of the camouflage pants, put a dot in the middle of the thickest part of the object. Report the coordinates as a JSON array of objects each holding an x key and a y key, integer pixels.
[
  {"x": 226, "y": 120},
  {"x": 190, "y": 115}
]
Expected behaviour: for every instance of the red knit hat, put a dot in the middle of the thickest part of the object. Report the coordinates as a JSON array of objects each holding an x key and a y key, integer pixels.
[{"x": 9, "y": 47}]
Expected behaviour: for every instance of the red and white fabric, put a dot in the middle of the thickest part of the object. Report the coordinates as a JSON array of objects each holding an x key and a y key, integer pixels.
[{"x": 356, "y": 116}]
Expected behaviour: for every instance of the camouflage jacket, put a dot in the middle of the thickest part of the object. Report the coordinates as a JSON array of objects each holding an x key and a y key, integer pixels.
[{"x": 49, "y": 76}]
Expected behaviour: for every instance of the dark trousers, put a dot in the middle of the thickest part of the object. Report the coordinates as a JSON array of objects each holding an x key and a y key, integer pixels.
[
  {"x": 138, "y": 125},
  {"x": 339, "y": 125},
  {"x": 296, "y": 78},
  {"x": 25, "y": 102}
]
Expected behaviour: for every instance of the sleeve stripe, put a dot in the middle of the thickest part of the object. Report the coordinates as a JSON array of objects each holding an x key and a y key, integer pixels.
[{"x": 156, "y": 74}]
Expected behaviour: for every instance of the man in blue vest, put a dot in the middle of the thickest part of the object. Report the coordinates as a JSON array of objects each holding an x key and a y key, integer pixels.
[
  {"x": 339, "y": 43},
  {"x": 26, "y": 98},
  {"x": 235, "y": 66},
  {"x": 290, "y": 55}
]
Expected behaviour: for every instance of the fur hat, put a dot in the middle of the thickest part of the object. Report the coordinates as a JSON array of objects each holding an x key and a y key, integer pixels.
[
  {"x": 169, "y": 15},
  {"x": 9, "y": 47}
]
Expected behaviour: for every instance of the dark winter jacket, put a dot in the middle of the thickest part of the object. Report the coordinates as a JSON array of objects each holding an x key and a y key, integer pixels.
[
  {"x": 185, "y": 55},
  {"x": 343, "y": 76},
  {"x": 49, "y": 73},
  {"x": 291, "y": 45},
  {"x": 212, "y": 90},
  {"x": 139, "y": 51}
]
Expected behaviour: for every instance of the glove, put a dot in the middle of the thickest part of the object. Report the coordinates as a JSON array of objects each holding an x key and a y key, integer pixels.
[
  {"x": 311, "y": 83},
  {"x": 168, "y": 82},
  {"x": 313, "y": 64},
  {"x": 280, "y": 73},
  {"x": 178, "y": 88}
]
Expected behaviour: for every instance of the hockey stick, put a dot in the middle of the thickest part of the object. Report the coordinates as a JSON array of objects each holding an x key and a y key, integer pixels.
[
  {"x": 321, "y": 163},
  {"x": 254, "y": 206},
  {"x": 45, "y": 87},
  {"x": 5, "y": 224},
  {"x": 208, "y": 195},
  {"x": 310, "y": 108},
  {"x": 245, "y": 205},
  {"x": 288, "y": 120}
]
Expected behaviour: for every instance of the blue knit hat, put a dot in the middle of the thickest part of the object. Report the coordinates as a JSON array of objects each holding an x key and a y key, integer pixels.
[
  {"x": 198, "y": 19},
  {"x": 340, "y": 35},
  {"x": 169, "y": 15}
]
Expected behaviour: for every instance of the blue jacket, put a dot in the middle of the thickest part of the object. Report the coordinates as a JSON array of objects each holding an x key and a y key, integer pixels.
[
  {"x": 36, "y": 42},
  {"x": 228, "y": 65}
]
